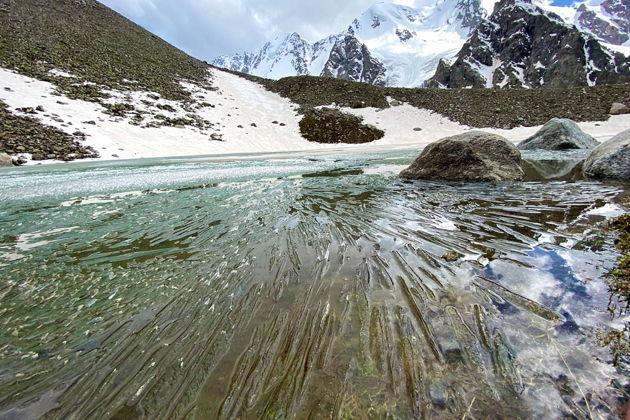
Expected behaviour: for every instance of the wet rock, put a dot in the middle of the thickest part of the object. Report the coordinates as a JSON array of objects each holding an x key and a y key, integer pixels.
[
  {"x": 618, "y": 109},
  {"x": 5, "y": 160},
  {"x": 452, "y": 256},
  {"x": 559, "y": 134},
  {"x": 474, "y": 156},
  {"x": 20, "y": 160},
  {"x": 610, "y": 160},
  {"x": 328, "y": 125}
]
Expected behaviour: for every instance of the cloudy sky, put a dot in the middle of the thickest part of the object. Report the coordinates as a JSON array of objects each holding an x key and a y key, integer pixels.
[{"x": 208, "y": 28}]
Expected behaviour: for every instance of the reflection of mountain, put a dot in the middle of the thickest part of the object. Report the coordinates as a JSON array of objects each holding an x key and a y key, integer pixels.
[{"x": 543, "y": 170}]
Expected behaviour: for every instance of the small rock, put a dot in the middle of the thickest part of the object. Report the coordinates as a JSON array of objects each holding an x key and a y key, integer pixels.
[
  {"x": 274, "y": 122},
  {"x": 395, "y": 103},
  {"x": 357, "y": 104},
  {"x": 89, "y": 122},
  {"x": 216, "y": 137},
  {"x": 618, "y": 108},
  {"x": 417, "y": 129},
  {"x": 282, "y": 124},
  {"x": 8, "y": 89},
  {"x": 452, "y": 256},
  {"x": 240, "y": 126},
  {"x": 20, "y": 160},
  {"x": 40, "y": 108},
  {"x": 253, "y": 125},
  {"x": 115, "y": 155},
  {"x": 62, "y": 103}
]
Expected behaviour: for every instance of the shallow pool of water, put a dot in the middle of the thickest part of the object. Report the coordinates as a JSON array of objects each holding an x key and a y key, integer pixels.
[{"x": 301, "y": 286}]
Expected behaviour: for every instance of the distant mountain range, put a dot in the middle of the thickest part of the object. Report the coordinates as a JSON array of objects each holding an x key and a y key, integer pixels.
[{"x": 457, "y": 43}]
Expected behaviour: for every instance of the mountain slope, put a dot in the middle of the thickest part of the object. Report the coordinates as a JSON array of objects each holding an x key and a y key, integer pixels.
[
  {"x": 95, "y": 44},
  {"x": 521, "y": 45},
  {"x": 286, "y": 55},
  {"x": 409, "y": 42},
  {"x": 607, "y": 21}
]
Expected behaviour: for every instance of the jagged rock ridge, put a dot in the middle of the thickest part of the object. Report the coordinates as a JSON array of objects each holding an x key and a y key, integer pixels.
[{"x": 522, "y": 45}]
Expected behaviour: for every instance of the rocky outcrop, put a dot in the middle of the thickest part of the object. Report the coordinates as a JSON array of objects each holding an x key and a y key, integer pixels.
[
  {"x": 326, "y": 125},
  {"x": 618, "y": 109},
  {"x": 474, "y": 156},
  {"x": 610, "y": 160},
  {"x": 588, "y": 20},
  {"x": 351, "y": 60},
  {"x": 5, "y": 160},
  {"x": 559, "y": 134},
  {"x": 521, "y": 45}
]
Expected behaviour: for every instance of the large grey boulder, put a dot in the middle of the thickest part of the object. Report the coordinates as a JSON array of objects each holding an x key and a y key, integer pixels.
[
  {"x": 474, "y": 156},
  {"x": 5, "y": 160},
  {"x": 559, "y": 134},
  {"x": 610, "y": 160}
]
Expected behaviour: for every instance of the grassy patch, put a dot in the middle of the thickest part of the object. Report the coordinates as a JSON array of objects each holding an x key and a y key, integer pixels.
[
  {"x": 618, "y": 341},
  {"x": 619, "y": 276}
]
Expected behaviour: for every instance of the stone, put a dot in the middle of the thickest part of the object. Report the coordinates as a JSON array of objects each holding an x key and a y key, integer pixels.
[
  {"x": 559, "y": 134},
  {"x": 417, "y": 129},
  {"x": 475, "y": 156},
  {"x": 618, "y": 109},
  {"x": 610, "y": 160},
  {"x": 5, "y": 160},
  {"x": 452, "y": 256}
]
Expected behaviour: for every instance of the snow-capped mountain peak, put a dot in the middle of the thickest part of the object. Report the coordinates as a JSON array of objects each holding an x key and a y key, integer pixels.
[{"x": 396, "y": 45}]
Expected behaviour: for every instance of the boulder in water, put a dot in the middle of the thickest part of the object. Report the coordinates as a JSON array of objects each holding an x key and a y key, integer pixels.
[
  {"x": 474, "y": 156},
  {"x": 610, "y": 160},
  {"x": 559, "y": 134}
]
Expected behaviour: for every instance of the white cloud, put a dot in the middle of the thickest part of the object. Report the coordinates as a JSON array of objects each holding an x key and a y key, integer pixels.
[{"x": 207, "y": 28}]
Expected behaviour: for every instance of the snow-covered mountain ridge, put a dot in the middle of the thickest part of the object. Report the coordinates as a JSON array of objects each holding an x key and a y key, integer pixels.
[{"x": 402, "y": 46}]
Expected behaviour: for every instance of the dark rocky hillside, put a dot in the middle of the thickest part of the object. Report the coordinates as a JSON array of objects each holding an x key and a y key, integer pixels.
[
  {"x": 504, "y": 108},
  {"x": 94, "y": 43}
]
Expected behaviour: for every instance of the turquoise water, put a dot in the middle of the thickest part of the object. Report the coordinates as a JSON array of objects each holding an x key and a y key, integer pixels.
[{"x": 299, "y": 286}]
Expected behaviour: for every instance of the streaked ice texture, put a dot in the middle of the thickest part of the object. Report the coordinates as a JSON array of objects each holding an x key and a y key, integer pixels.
[{"x": 299, "y": 287}]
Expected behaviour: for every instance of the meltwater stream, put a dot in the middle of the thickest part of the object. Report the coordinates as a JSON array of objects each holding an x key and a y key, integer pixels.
[{"x": 299, "y": 287}]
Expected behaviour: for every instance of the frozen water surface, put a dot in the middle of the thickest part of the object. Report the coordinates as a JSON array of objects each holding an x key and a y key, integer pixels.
[{"x": 307, "y": 286}]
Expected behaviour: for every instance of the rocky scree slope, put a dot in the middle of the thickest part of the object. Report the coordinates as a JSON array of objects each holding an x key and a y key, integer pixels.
[
  {"x": 91, "y": 53},
  {"x": 500, "y": 108},
  {"x": 523, "y": 46}
]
